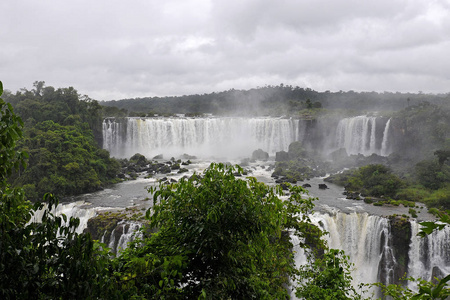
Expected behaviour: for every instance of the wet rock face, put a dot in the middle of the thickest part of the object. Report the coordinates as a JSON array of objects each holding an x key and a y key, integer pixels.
[
  {"x": 281, "y": 156},
  {"x": 114, "y": 229},
  {"x": 400, "y": 239},
  {"x": 296, "y": 151},
  {"x": 102, "y": 225}
]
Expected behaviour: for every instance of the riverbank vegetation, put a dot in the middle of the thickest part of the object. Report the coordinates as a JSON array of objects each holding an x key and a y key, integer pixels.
[{"x": 430, "y": 184}]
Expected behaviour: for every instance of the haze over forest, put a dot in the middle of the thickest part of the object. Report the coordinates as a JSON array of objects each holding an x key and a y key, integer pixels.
[{"x": 273, "y": 100}]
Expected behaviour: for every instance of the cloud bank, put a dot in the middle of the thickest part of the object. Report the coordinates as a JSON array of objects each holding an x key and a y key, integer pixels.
[{"x": 121, "y": 49}]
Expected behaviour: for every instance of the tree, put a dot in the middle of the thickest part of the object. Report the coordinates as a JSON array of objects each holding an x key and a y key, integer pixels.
[
  {"x": 432, "y": 175},
  {"x": 13, "y": 207},
  {"x": 371, "y": 180},
  {"x": 327, "y": 277},
  {"x": 61, "y": 135},
  {"x": 442, "y": 155},
  {"x": 219, "y": 237},
  {"x": 47, "y": 259}
]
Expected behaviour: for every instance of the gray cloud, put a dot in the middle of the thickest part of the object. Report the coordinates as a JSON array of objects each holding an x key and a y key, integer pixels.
[{"x": 116, "y": 49}]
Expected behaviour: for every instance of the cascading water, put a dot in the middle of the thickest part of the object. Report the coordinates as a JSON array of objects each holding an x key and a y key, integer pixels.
[
  {"x": 385, "y": 151},
  {"x": 363, "y": 237},
  {"x": 73, "y": 209},
  {"x": 429, "y": 256},
  {"x": 368, "y": 241},
  {"x": 228, "y": 137},
  {"x": 124, "y": 233},
  {"x": 362, "y": 134}
]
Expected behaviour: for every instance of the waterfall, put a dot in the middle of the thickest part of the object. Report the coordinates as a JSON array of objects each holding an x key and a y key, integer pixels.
[
  {"x": 361, "y": 134},
  {"x": 369, "y": 242},
  {"x": 384, "y": 143},
  {"x": 73, "y": 209},
  {"x": 228, "y": 137},
  {"x": 113, "y": 136},
  {"x": 125, "y": 232},
  {"x": 429, "y": 256},
  {"x": 363, "y": 237}
]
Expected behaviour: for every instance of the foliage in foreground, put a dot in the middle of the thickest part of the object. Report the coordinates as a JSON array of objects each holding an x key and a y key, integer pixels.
[
  {"x": 219, "y": 237},
  {"x": 327, "y": 277},
  {"x": 426, "y": 290},
  {"x": 46, "y": 259}
]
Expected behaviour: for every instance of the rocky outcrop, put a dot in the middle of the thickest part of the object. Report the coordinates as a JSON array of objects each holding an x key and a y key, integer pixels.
[
  {"x": 400, "y": 239},
  {"x": 139, "y": 164},
  {"x": 260, "y": 155},
  {"x": 281, "y": 156},
  {"x": 296, "y": 151},
  {"x": 115, "y": 228}
]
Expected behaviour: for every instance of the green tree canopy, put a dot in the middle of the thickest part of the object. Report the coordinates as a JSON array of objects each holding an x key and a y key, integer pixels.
[{"x": 222, "y": 237}]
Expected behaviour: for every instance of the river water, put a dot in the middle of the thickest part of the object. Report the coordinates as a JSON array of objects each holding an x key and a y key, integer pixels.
[{"x": 330, "y": 200}]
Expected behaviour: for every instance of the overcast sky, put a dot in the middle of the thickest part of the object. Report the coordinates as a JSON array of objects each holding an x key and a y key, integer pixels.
[{"x": 121, "y": 49}]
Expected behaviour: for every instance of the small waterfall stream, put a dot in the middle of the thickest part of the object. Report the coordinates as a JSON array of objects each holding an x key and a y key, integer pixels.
[
  {"x": 429, "y": 256},
  {"x": 124, "y": 233},
  {"x": 363, "y": 134},
  {"x": 385, "y": 149},
  {"x": 369, "y": 242}
]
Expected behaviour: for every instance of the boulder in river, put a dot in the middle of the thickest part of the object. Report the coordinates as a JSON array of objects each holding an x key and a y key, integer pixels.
[
  {"x": 260, "y": 155},
  {"x": 281, "y": 156}
]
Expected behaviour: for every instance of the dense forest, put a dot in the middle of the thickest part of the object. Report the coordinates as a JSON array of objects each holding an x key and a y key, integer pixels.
[{"x": 62, "y": 136}]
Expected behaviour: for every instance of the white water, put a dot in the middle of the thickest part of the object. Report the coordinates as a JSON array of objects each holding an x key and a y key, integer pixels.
[
  {"x": 359, "y": 135},
  {"x": 385, "y": 151},
  {"x": 127, "y": 231},
  {"x": 82, "y": 211},
  {"x": 360, "y": 235},
  {"x": 203, "y": 137},
  {"x": 73, "y": 209},
  {"x": 429, "y": 256}
]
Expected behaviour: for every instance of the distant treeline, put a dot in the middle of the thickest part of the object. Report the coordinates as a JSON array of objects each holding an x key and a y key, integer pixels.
[{"x": 270, "y": 100}]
